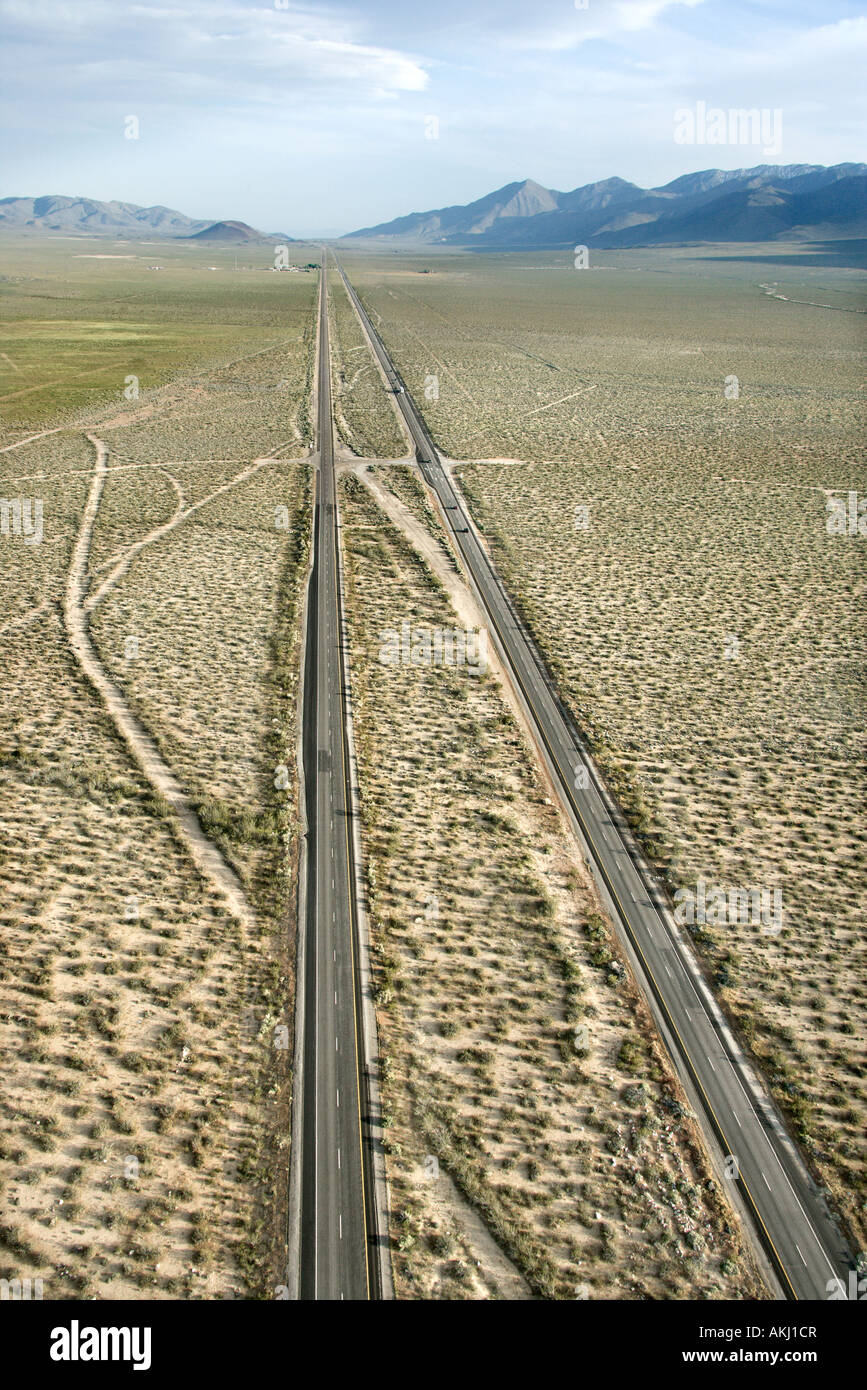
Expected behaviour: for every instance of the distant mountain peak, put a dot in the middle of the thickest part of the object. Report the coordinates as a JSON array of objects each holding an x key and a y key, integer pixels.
[
  {"x": 227, "y": 231},
  {"x": 54, "y": 212},
  {"x": 759, "y": 204}
]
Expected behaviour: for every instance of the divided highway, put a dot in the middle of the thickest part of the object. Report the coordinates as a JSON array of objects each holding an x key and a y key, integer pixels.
[
  {"x": 338, "y": 1252},
  {"x": 789, "y": 1214}
]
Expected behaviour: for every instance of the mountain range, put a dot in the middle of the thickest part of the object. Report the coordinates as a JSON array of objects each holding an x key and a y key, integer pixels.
[
  {"x": 767, "y": 203},
  {"x": 773, "y": 202},
  {"x": 89, "y": 217}
]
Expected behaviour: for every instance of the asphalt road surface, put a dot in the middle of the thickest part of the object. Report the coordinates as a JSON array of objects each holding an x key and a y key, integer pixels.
[
  {"x": 790, "y": 1216},
  {"x": 335, "y": 1252}
]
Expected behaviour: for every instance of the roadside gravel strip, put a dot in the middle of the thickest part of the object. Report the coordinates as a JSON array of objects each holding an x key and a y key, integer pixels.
[{"x": 207, "y": 858}]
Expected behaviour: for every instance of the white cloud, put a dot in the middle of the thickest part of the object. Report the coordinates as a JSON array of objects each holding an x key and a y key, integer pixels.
[
  {"x": 228, "y": 51},
  {"x": 643, "y": 14},
  {"x": 598, "y": 21}
]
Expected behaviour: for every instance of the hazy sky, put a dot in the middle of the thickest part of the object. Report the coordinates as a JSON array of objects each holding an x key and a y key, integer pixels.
[{"x": 306, "y": 118}]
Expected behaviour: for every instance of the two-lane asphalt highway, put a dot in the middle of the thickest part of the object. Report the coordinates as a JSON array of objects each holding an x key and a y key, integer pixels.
[
  {"x": 335, "y": 1253},
  {"x": 789, "y": 1214}
]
